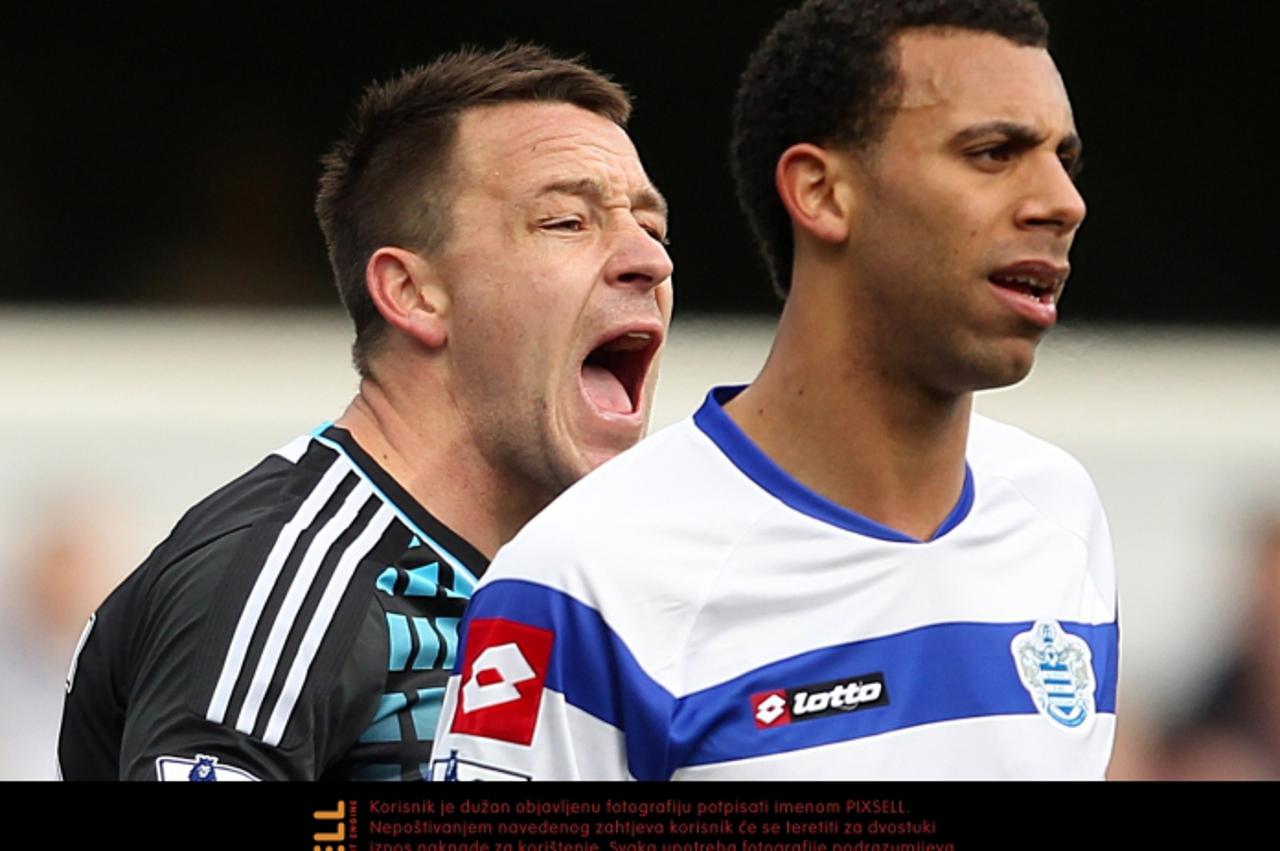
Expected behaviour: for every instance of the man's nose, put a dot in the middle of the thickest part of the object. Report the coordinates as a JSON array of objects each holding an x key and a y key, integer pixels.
[
  {"x": 639, "y": 260},
  {"x": 1053, "y": 201}
]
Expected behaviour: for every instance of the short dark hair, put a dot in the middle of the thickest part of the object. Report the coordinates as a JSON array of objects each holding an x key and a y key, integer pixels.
[
  {"x": 387, "y": 181},
  {"x": 828, "y": 74}
]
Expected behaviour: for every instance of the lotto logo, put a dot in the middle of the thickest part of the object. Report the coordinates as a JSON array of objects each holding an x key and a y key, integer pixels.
[
  {"x": 494, "y": 676},
  {"x": 770, "y": 708},
  {"x": 503, "y": 672},
  {"x": 782, "y": 706},
  {"x": 844, "y": 696}
]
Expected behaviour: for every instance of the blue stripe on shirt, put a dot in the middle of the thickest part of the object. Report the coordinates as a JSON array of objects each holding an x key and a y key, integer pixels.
[
  {"x": 589, "y": 665},
  {"x": 941, "y": 672}
]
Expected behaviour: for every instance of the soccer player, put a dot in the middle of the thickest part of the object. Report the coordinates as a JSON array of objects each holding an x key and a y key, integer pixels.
[
  {"x": 501, "y": 253},
  {"x": 839, "y": 571}
]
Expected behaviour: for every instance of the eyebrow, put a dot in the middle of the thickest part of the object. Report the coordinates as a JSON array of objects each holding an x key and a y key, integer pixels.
[
  {"x": 647, "y": 198},
  {"x": 1023, "y": 137}
]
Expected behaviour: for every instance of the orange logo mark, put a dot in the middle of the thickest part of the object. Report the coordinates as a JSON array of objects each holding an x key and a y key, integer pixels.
[{"x": 337, "y": 814}]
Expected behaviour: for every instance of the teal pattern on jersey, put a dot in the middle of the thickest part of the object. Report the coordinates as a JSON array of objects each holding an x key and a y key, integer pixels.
[{"x": 423, "y": 599}]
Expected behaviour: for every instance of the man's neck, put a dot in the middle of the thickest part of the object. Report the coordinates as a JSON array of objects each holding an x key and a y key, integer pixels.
[
  {"x": 870, "y": 442},
  {"x": 439, "y": 466}
]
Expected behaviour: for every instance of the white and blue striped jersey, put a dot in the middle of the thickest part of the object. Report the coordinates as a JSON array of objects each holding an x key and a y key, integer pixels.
[{"x": 690, "y": 611}]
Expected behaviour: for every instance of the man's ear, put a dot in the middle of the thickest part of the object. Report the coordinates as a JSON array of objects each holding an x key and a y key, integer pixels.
[
  {"x": 406, "y": 289},
  {"x": 812, "y": 183}
]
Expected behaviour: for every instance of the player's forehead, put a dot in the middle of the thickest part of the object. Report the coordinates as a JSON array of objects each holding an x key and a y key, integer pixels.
[
  {"x": 959, "y": 77},
  {"x": 515, "y": 150}
]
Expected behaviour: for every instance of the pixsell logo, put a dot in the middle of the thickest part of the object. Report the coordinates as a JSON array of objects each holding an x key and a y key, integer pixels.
[
  {"x": 782, "y": 706},
  {"x": 331, "y": 829},
  {"x": 503, "y": 672}
]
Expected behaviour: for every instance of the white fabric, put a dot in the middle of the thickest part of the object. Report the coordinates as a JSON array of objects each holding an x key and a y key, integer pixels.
[{"x": 707, "y": 577}]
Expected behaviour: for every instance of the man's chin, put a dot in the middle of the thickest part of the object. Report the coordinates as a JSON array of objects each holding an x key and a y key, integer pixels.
[
  {"x": 596, "y": 439},
  {"x": 593, "y": 456},
  {"x": 1005, "y": 372},
  {"x": 990, "y": 367}
]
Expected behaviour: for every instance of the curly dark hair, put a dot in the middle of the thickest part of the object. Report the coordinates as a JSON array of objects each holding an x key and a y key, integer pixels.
[
  {"x": 828, "y": 74},
  {"x": 388, "y": 180}
]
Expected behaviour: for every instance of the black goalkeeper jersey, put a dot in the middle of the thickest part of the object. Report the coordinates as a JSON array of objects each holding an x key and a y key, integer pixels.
[{"x": 300, "y": 623}]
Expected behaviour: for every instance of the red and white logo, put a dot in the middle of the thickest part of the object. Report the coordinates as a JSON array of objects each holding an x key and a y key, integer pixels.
[
  {"x": 770, "y": 708},
  {"x": 503, "y": 671}
]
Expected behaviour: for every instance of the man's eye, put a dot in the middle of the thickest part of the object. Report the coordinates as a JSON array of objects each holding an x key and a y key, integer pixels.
[
  {"x": 573, "y": 225},
  {"x": 993, "y": 154},
  {"x": 657, "y": 234}
]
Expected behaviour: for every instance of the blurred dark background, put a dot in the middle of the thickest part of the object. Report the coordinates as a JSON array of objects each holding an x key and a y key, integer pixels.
[{"x": 170, "y": 156}]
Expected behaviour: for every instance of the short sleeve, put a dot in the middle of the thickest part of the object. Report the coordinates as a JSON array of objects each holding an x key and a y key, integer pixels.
[
  {"x": 545, "y": 690},
  {"x": 168, "y": 731}
]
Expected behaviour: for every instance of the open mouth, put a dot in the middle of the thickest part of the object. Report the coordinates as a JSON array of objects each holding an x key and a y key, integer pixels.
[
  {"x": 1034, "y": 280},
  {"x": 1043, "y": 290},
  {"x": 613, "y": 373}
]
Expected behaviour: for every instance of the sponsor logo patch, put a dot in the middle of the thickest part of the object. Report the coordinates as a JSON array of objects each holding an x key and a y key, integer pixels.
[
  {"x": 455, "y": 770},
  {"x": 1056, "y": 669},
  {"x": 202, "y": 769},
  {"x": 770, "y": 708},
  {"x": 502, "y": 675},
  {"x": 820, "y": 700}
]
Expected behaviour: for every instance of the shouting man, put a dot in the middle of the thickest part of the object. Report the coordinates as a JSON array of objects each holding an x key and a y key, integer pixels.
[{"x": 500, "y": 250}]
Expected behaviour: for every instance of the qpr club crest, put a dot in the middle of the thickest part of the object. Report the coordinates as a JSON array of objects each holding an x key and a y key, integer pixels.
[{"x": 1056, "y": 669}]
